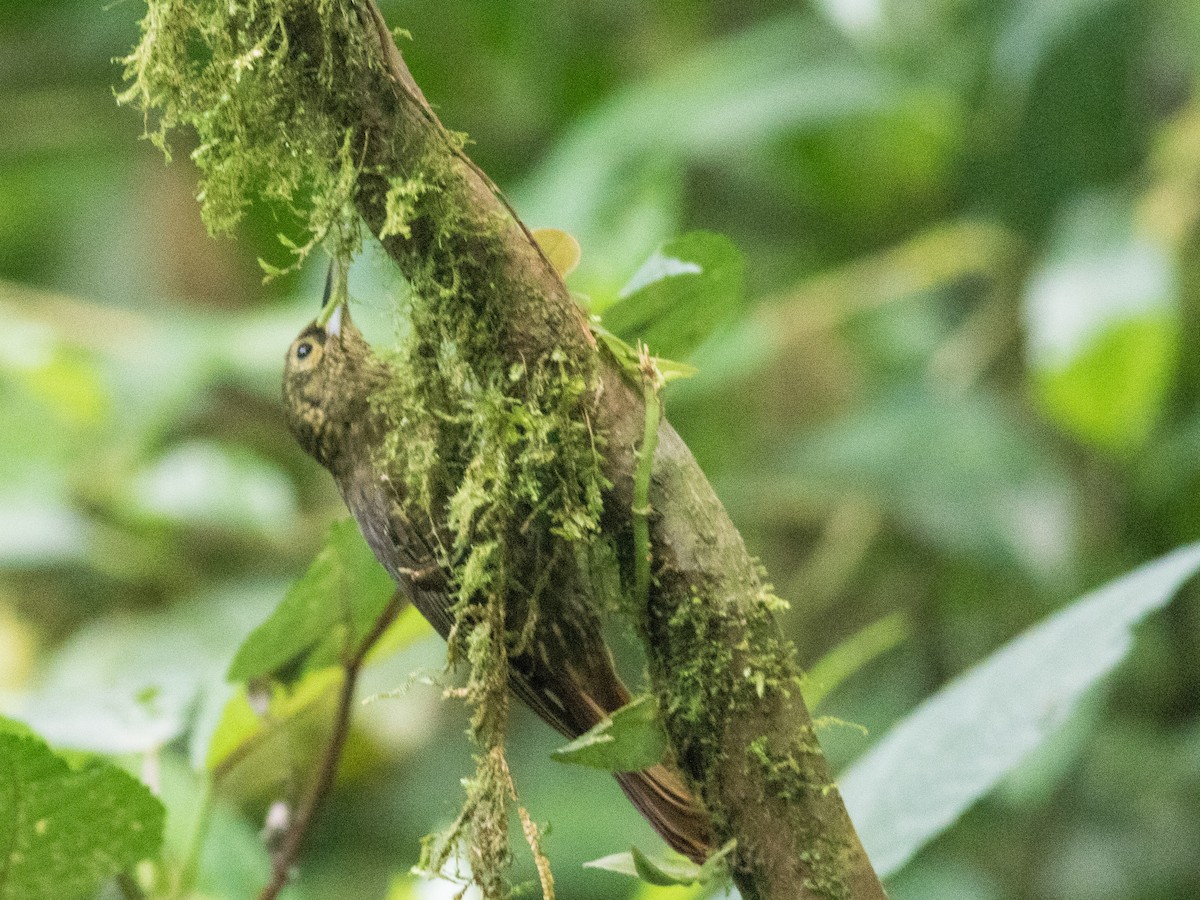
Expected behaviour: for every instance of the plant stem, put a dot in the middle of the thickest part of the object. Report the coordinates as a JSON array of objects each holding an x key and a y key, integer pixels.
[
  {"x": 642, "y": 551},
  {"x": 191, "y": 865},
  {"x": 293, "y": 839}
]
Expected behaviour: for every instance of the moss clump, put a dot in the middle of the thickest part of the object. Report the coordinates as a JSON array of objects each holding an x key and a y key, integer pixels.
[
  {"x": 263, "y": 84},
  {"x": 500, "y": 453},
  {"x": 712, "y": 678}
]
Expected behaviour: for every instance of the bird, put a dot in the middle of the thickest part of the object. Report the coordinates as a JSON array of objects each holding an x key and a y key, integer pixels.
[{"x": 566, "y": 673}]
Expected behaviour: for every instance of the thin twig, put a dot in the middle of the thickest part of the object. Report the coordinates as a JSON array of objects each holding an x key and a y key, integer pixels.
[{"x": 293, "y": 839}]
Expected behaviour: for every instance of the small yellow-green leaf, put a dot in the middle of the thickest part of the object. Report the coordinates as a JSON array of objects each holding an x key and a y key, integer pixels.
[{"x": 560, "y": 248}]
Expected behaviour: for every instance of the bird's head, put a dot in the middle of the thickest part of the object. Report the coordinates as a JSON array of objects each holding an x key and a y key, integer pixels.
[{"x": 328, "y": 378}]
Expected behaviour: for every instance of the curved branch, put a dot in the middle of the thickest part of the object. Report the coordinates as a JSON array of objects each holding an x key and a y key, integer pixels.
[{"x": 726, "y": 678}]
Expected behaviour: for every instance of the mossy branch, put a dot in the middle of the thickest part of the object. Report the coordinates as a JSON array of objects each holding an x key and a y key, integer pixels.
[{"x": 315, "y": 101}]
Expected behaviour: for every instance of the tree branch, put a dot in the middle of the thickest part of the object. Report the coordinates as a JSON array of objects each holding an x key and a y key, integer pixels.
[{"x": 726, "y": 678}]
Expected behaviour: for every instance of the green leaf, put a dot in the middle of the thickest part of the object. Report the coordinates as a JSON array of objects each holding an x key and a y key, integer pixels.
[
  {"x": 245, "y": 733},
  {"x": 65, "y": 831},
  {"x": 667, "y": 871},
  {"x": 630, "y": 740},
  {"x": 132, "y": 684},
  {"x": 1033, "y": 30},
  {"x": 1112, "y": 393},
  {"x": 664, "y": 873},
  {"x": 615, "y": 179},
  {"x": 1103, "y": 325},
  {"x": 961, "y": 742},
  {"x": 961, "y": 472},
  {"x": 337, "y": 600},
  {"x": 204, "y": 484},
  {"x": 684, "y": 292}
]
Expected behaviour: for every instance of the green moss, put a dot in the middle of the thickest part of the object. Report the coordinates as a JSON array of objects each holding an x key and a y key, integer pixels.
[
  {"x": 708, "y": 677},
  {"x": 497, "y": 448},
  {"x": 263, "y": 101},
  {"x": 400, "y": 206},
  {"x": 501, "y": 452},
  {"x": 795, "y": 774}
]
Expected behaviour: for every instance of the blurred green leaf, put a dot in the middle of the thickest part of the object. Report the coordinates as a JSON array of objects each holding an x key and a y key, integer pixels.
[
  {"x": 1033, "y": 30},
  {"x": 783, "y": 76},
  {"x": 233, "y": 860},
  {"x": 244, "y": 732},
  {"x": 410, "y": 626},
  {"x": 962, "y": 741},
  {"x": 960, "y": 471},
  {"x": 684, "y": 292},
  {"x": 38, "y": 531},
  {"x": 629, "y": 740},
  {"x": 202, "y": 483},
  {"x": 64, "y": 831},
  {"x": 852, "y": 654},
  {"x": 1112, "y": 394},
  {"x": 132, "y": 684},
  {"x": 338, "y": 599},
  {"x": 1104, "y": 333}
]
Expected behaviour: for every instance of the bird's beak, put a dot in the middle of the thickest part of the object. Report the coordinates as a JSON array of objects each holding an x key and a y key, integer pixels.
[
  {"x": 334, "y": 327},
  {"x": 330, "y": 317},
  {"x": 328, "y": 286}
]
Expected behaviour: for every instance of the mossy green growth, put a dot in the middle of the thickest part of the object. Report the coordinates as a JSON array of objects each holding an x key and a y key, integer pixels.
[
  {"x": 712, "y": 679},
  {"x": 265, "y": 98},
  {"x": 502, "y": 453},
  {"x": 794, "y": 774},
  {"x": 497, "y": 449}
]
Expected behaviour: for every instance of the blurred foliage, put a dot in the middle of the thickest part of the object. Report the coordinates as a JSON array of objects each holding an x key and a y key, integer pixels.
[{"x": 962, "y": 388}]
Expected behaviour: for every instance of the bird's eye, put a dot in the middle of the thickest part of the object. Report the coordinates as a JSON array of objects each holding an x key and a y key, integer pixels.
[{"x": 302, "y": 350}]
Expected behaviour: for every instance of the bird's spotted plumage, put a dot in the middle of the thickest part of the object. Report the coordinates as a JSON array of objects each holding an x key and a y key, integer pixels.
[{"x": 565, "y": 673}]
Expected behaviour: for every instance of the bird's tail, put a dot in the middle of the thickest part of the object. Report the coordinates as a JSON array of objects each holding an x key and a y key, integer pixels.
[{"x": 664, "y": 800}]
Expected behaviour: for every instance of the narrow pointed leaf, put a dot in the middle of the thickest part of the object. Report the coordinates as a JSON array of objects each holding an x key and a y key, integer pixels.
[{"x": 960, "y": 743}]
